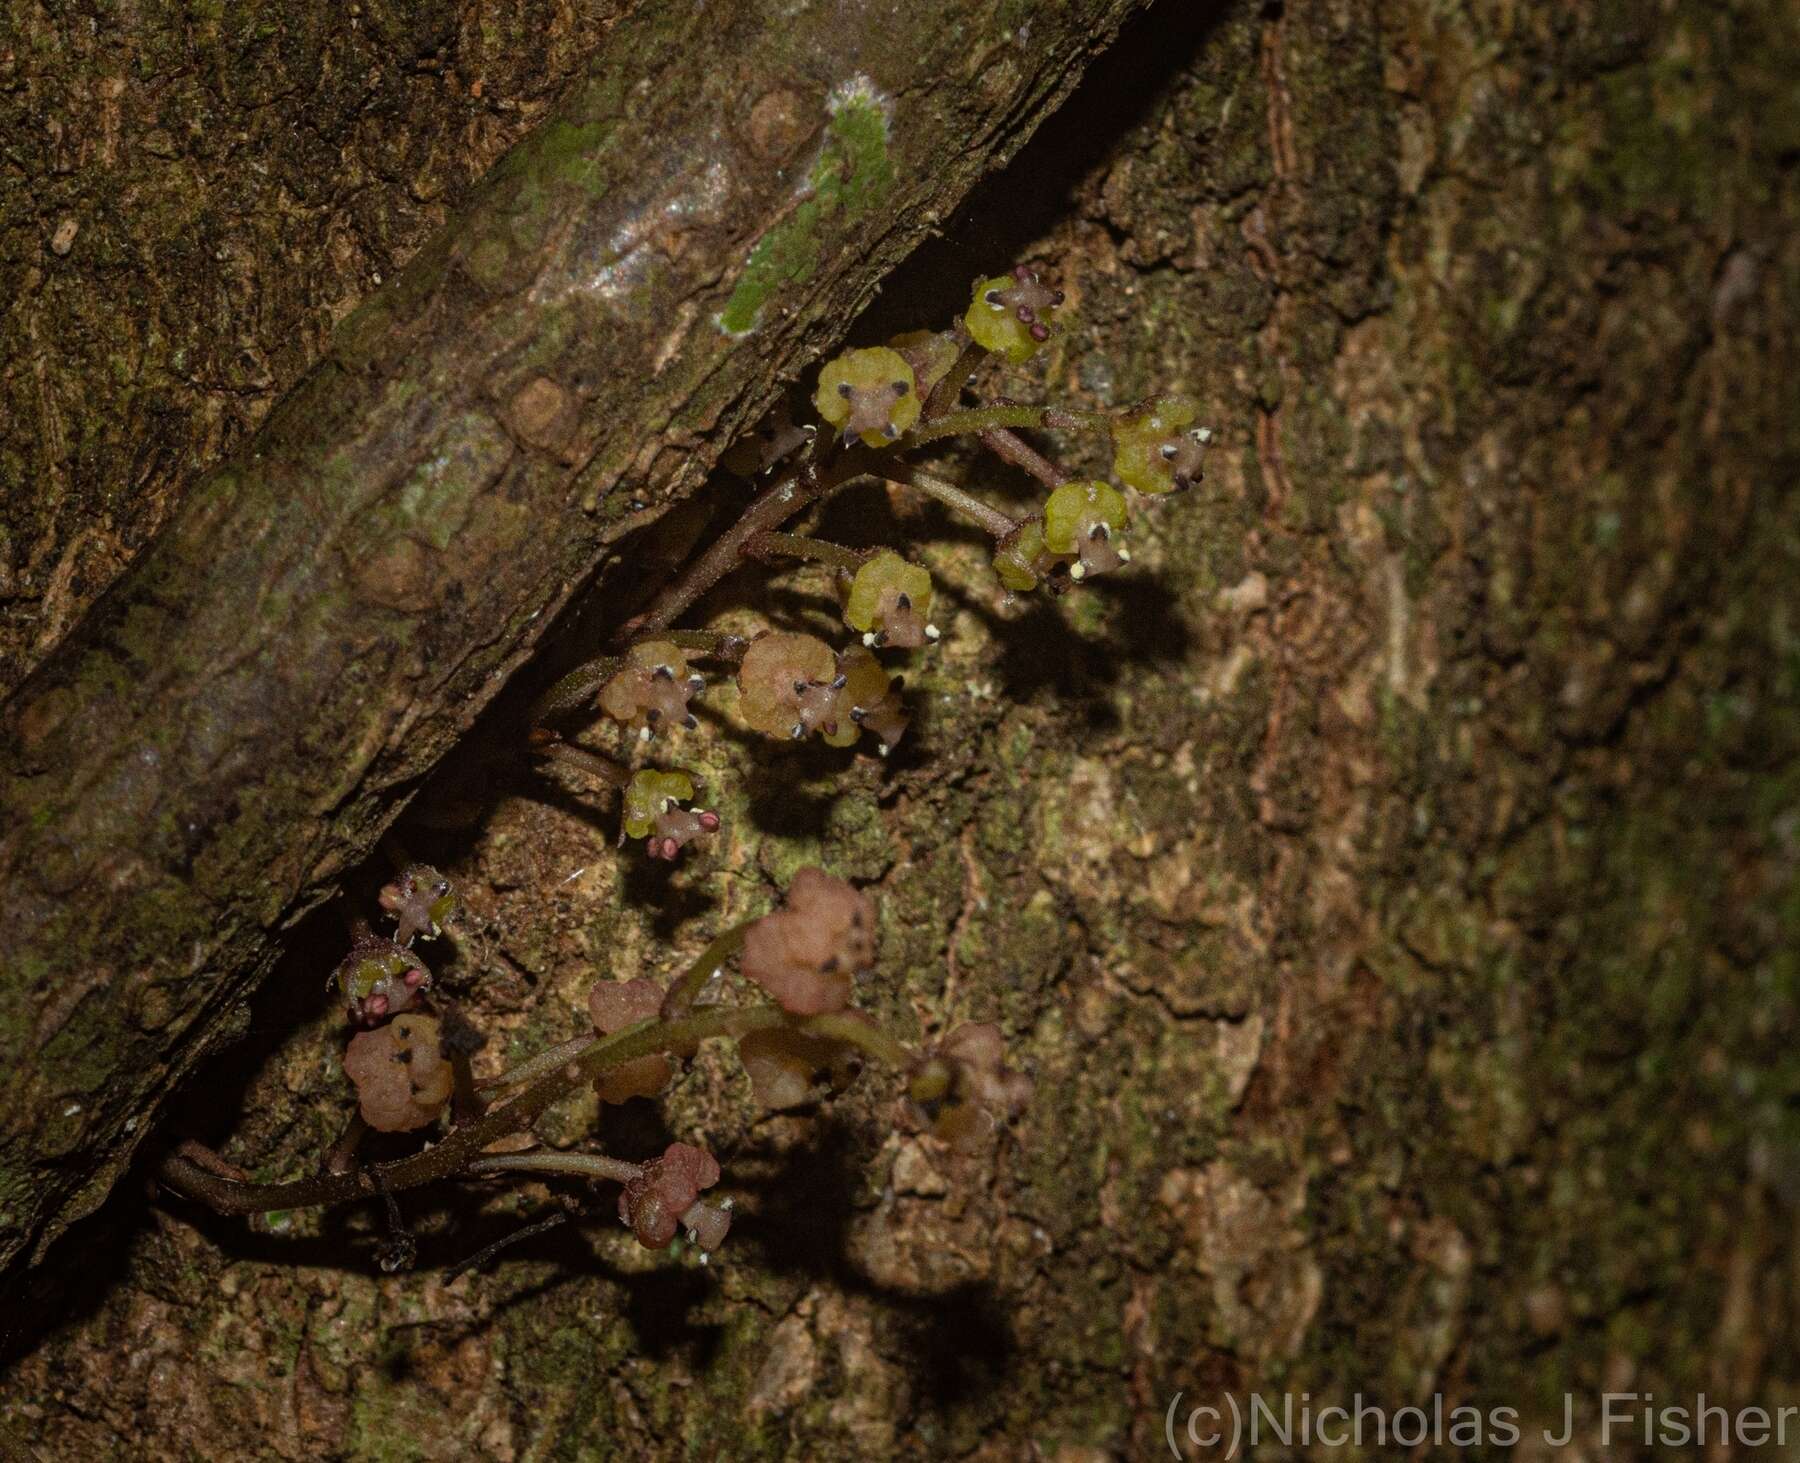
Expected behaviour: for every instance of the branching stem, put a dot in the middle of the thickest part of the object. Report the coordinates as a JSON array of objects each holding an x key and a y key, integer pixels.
[
  {"x": 465, "y": 1144},
  {"x": 806, "y": 482}
]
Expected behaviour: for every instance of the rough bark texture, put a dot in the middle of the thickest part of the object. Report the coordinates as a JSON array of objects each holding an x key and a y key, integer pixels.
[
  {"x": 1395, "y": 885},
  {"x": 194, "y": 196},
  {"x": 326, "y": 613}
]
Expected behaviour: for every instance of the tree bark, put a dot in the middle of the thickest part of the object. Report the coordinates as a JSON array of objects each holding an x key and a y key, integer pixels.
[
  {"x": 1392, "y": 881},
  {"x": 191, "y": 202},
  {"x": 326, "y": 613}
]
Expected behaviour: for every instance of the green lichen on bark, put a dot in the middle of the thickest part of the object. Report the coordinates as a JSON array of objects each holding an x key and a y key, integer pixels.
[{"x": 852, "y": 175}]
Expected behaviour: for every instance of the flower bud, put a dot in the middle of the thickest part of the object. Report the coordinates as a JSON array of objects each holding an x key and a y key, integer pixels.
[
  {"x": 660, "y": 1198},
  {"x": 962, "y": 1091}
]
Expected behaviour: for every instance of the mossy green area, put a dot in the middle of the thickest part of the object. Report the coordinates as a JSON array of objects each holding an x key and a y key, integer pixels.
[{"x": 852, "y": 175}]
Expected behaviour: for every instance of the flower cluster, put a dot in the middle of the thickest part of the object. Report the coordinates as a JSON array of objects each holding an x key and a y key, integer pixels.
[
  {"x": 410, "y": 1069},
  {"x": 876, "y": 407},
  {"x": 883, "y": 412}
]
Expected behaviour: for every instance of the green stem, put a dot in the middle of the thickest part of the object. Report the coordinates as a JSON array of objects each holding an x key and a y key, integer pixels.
[
  {"x": 575, "y": 689},
  {"x": 681, "y": 996},
  {"x": 864, "y": 1035},
  {"x": 710, "y": 643},
  {"x": 587, "y": 1165},
  {"x": 799, "y": 546},
  {"x": 976, "y": 420},
  {"x": 951, "y": 496},
  {"x": 545, "y": 1061}
]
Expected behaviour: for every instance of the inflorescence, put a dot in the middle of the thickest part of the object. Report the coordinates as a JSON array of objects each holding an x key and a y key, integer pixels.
[{"x": 410, "y": 1052}]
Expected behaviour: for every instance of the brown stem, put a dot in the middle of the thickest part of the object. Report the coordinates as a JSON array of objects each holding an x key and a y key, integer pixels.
[
  {"x": 342, "y": 1157},
  {"x": 1010, "y": 447},
  {"x": 465, "y": 1143},
  {"x": 945, "y": 394},
  {"x": 805, "y": 483},
  {"x": 548, "y": 745}
]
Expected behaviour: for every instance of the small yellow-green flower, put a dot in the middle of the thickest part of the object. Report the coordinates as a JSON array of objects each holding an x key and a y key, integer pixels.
[
  {"x": 870, "y": 393},
  {"x": 649, "y": 795},
  {"x": 653, "y": 812},
  {"x": 1082, "y": 519},
  {"x": 1011, "y": 314},
  {"x": 1157, "y": 448},
  {"x": 890, "y": 603}
]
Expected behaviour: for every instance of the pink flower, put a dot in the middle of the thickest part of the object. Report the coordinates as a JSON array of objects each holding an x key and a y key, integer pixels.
[
  {"x": 615, "y": 1005},
  {"x": 806, "y": 954},
  {"x": 662, "y": 1197},
  {"x": 402, "y": 1080},
  {"x": 963, "y": 1091}
]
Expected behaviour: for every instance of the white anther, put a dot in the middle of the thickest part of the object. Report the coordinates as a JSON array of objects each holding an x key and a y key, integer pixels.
[
  {"x": 933, "y": 633},
  {"x": 1078, "y": 570},
  {"x": 869, "y": 639}
]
